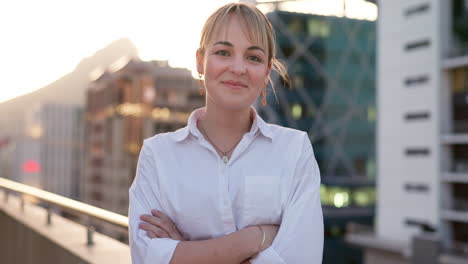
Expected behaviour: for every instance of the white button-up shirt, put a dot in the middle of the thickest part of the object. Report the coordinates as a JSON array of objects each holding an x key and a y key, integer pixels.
[{"x": 272, "y": 177}]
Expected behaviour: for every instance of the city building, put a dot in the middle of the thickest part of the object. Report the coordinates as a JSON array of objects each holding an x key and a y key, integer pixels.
[
  {"x": 49, "y": 156},
  {"x": 331, "y": 62},
  {"x": 6, "y": 157},
  {"x": 125, "y": 105},
  {"x": 422, "y": 134},
  {"x": 27, "y": 162},
  {"x": 15, "y": 133}
]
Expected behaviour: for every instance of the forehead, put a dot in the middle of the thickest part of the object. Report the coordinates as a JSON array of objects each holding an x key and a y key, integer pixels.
[{"x": 235, "y": 27}]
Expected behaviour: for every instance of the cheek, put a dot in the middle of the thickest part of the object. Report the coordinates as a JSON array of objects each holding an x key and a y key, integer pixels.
[
  {"x": 257, "y": 76},
  {"x": 213, "y": 68}
]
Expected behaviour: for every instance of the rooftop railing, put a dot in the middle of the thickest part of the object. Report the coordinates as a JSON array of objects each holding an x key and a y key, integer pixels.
[{"x": 63, "y": 204}]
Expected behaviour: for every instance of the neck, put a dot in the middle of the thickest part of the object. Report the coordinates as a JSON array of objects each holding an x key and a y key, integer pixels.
[
  {"x": 227, "y": 122},
  {"x": 225, "y": 126}
]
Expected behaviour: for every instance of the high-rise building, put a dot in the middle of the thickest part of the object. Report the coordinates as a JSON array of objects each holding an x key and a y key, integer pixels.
[
  {"x": 331, "y": 62},
  {"x": 26, "y": 163},
  {"x": 7, "y": 148},
  {"x": 124, "y": 107},
  {"x": 422, "y": 134},
  {"x": 49, "y": 155}
]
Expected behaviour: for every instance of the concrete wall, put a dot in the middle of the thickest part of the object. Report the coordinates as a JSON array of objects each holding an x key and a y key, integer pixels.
[
  {"x": 26, "y": 238},
  {"x": 20, "y": 244}
]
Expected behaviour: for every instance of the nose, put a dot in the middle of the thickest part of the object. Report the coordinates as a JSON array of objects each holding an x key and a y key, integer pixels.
[{"x": 238, "y": 66}]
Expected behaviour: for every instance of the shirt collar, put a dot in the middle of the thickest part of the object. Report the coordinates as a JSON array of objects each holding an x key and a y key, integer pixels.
[{"x": 258, "y": 125}]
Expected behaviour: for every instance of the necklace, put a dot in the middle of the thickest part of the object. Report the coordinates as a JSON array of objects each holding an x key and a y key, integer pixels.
[{"x": 224, "y": 156}]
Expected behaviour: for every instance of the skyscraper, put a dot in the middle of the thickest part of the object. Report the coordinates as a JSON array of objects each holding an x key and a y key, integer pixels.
[
  {"x": 422, "y": 134},
  {"x": 331, "y": 61}
]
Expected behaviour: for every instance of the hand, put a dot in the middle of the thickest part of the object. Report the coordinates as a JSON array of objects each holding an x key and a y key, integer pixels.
[{"x": 158, "y": 225}]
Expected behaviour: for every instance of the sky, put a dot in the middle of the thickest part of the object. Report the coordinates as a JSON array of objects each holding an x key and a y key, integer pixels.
[{"x": 44, "y": 40}]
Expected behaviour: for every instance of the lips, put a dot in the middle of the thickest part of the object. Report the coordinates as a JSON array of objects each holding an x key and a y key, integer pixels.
[{"x": 234, "y": 84}]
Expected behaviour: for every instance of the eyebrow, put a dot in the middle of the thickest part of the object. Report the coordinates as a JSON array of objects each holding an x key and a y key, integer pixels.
[{"x": 229, "y": 44}]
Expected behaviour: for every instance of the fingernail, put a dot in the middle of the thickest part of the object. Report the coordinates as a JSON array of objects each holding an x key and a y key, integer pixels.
[{"x": 154, "y": 211}]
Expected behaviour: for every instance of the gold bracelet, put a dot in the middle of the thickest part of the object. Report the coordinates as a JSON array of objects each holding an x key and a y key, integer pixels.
[{"x": 263, "y": 239}]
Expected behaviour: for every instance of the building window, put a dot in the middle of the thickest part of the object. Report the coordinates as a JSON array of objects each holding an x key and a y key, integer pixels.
[
  {"x": 419, "y": 223},
  {"x": 296, "y": 26},
  {"x": 410, "y": 187},
  {"x": 96, "y": 179},
  {"x": 96, "y": 196},
  {"x": 334, "y": 232},
  {"x": 296, "y": 111},
  {"x": 460, "y": 232},
  {"x": 416, "y": 9},
  {"x": 364, "y": 196},
  {"x": 417, "y": 80},
  {"x": 97, "y": 128},
  {"x": 460, "y": 158},
  {"x": 411, "y": 46},
  {"x": 417, "y": 152},
  {"x": 97, "y": 162},
  {"x": 417, "y": 116},
  {"x": 371, "y": 113},
  {"x": 318, "y": 28},
  {"x": 334, "y": 196}
]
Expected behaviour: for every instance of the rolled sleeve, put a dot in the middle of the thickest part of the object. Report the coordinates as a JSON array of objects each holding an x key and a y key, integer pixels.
[
  {"x": 301, "y": 234},
  {"x": 144, "y": 196},
  {"x": 269, "y": 256},
  {"x": 160, "y": 249}
]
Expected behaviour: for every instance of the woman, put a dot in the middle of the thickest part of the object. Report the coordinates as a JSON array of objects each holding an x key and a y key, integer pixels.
[{"x": 228, "y": 187}]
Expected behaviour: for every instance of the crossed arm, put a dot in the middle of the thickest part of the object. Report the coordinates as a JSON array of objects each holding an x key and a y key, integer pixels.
[
  {"x": 298, "y": 240},
  {"x": 234, "y": 248}
]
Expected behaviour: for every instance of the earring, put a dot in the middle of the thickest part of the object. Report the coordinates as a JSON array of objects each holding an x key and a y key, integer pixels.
[
  {"x": 200, "y": 84},
  {"x": 264, "y": 100}
]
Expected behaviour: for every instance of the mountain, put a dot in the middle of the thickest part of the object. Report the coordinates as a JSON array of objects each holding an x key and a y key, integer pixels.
[{"x": 69, "y": 89}]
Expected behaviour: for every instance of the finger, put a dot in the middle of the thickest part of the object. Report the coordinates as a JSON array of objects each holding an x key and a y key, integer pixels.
[
  {"x": 169, "y": 225},
  {"x": 164, "y": 222},
  {"x": 151, "y": 234},
  {"x": 154, "y": 220},
  {"x": 156, "y": 230},
  {"x": 160, "y": 214}
]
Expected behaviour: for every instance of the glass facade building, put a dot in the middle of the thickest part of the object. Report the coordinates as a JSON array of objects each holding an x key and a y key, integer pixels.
[{"x": 331, "y": 63}]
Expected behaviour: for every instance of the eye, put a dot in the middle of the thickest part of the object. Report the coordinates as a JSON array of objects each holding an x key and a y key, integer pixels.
[
  {"x": 255, "y": 58},
  {"x": 222, "y": 52}
]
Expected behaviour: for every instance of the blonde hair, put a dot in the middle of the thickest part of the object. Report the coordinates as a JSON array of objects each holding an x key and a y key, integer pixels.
[{"x": 259, "y": 30}]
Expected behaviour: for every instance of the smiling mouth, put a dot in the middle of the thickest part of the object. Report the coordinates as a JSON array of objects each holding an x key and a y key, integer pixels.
[{"x": 234, "y": 85}]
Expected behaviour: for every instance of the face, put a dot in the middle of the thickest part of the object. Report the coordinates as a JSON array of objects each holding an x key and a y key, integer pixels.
[{"x": 235, "y": 69}]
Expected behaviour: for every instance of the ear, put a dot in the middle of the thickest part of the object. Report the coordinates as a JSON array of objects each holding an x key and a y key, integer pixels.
[{"x": 200, "y": 59}]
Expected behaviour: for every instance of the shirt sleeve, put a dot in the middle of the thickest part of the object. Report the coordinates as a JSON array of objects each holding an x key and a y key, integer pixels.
[
  {"x": 144, "y": 196},
  {"x": 300, "y": 237}
]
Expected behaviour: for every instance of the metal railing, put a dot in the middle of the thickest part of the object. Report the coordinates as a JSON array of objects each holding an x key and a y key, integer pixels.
[{"x": 64, "y": 204}]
